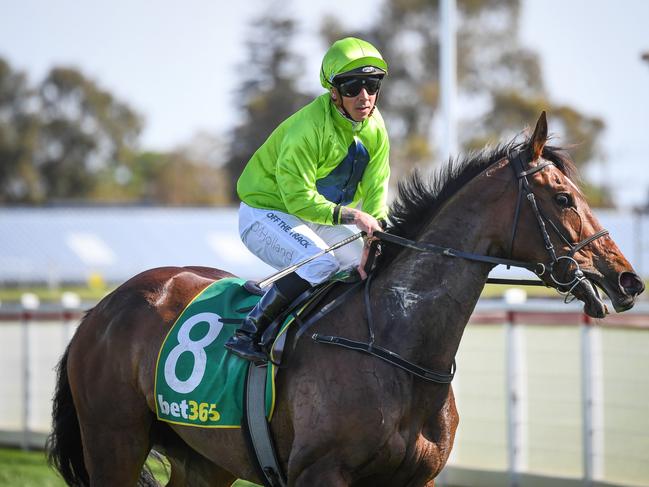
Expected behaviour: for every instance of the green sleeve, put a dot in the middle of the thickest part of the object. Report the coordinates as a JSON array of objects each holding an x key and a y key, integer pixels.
[
  {"x": 375, "y": 180},
  {"x": 296, "y": 179}
]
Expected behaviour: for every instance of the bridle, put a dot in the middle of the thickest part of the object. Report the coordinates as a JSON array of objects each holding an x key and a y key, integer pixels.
[
  {"x": 524, "y": 189},
  {"x": 539, "y": 268}
]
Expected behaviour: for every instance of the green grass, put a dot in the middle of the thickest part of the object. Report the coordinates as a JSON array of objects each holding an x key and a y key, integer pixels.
[
  {"x": 26, "y": 469},
  {"x": 20, "y": 468}
]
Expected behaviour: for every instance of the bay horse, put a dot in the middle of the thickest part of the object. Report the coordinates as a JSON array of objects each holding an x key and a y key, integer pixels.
[{"x": 344, "y": 418}]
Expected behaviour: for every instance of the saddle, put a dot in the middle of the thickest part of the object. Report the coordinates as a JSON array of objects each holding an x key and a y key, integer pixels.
[{"x": 307, "y": 308}]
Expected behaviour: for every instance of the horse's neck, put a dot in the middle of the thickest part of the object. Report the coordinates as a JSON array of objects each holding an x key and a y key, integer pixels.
[{"x": 428, "y": 297}]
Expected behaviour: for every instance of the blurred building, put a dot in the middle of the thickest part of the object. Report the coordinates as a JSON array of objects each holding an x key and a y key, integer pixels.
[{"x": 76, "y": 244}]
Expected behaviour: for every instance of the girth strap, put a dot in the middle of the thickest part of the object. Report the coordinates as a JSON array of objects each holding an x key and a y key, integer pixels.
[{"x": 257, "y": 429}]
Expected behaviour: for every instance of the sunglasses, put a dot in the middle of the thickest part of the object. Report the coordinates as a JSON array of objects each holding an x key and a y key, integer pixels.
[{"x": 351, "y": 87}]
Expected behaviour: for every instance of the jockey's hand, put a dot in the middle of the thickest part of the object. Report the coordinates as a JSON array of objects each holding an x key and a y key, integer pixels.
[
  {"x": 368, "y": 224},
  {"x": 363, "y": 221},
  {"x": 364, "y": 255}
]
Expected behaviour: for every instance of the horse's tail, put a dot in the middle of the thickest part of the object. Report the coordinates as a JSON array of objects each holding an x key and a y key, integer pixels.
[{"x": 64, "y": 448}]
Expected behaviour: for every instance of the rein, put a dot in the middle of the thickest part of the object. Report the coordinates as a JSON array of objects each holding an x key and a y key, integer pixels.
[
  {"x": 379, "y": 352},
  {"x": 539, "y": 268}
]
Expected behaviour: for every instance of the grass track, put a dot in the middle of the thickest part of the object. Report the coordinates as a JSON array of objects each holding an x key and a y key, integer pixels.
[{"x": 20, "y": 468}]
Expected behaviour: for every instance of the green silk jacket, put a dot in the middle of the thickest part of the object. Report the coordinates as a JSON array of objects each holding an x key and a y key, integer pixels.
[{"x": 317, "y": 159}]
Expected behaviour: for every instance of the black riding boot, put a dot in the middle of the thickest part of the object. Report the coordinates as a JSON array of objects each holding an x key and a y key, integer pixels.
[{"x": 245, "y": 342}]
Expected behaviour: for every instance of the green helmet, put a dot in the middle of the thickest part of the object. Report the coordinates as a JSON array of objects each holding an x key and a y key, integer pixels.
[{"x": 351, "y": 54}]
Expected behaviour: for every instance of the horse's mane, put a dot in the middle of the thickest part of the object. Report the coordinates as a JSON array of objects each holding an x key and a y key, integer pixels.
[{"x": 419, "y": 198}]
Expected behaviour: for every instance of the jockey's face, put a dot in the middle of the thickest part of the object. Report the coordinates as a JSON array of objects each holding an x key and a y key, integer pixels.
[{"x": 360, "y": 106}]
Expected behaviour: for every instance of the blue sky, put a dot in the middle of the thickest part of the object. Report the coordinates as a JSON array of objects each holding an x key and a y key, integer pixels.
[
  {"x": 144, "y": 51},
  {"x": 590, "y": 53}
]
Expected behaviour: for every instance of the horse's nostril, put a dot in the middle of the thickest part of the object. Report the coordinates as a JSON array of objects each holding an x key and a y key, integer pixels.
[{"x": 631, "y": 283}]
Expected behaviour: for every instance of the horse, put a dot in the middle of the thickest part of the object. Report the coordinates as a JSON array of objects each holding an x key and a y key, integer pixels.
[{"x": 345, "y": 418}]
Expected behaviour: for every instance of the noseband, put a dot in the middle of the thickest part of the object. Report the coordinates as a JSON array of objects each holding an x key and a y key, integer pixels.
[{"x": 524, "y": 189}]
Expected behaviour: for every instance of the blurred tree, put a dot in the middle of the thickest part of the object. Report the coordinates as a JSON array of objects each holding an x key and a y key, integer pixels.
[
  {"x": 167, "y": 178},
  {"x": 85, "y": 130},
  {"x": 499, "y": 81},
  {"x": 58, "y": 139},
  {"x": 192, "y": 174},
  {"x": 69, "y": 139},
  {"x": 19, "y": 180},
  {"x": 207, "y": 148},
  {"x": 268, "y": 93}
]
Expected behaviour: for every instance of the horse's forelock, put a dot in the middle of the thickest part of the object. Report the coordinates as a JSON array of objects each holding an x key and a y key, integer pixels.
[{"x": 560, "y": 157}]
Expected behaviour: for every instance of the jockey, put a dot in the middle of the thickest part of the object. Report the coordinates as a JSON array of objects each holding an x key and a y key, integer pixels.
[{"x": 309, "y": 179}]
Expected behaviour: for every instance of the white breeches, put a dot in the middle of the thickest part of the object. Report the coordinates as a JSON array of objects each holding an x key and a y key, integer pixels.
[{"x": 281, "y": 240}]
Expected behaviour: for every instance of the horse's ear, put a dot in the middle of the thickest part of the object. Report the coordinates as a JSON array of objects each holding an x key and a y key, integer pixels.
[{"x": 539, "y": 137}]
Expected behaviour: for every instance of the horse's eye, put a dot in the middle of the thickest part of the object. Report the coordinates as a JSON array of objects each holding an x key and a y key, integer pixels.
[{"x": 564, "y": 200}]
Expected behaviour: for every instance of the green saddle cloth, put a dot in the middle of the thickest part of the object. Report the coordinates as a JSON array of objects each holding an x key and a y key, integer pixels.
[{"x": 198, "y": 382}]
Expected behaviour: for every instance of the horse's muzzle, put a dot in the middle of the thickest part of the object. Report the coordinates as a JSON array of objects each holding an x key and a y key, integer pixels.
[
  {"x": 629, "y": 287},
  {"x": 631, "y": 283},
  {"x": 622, "y": 293}
]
